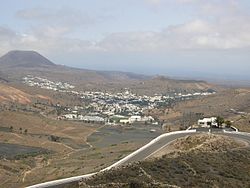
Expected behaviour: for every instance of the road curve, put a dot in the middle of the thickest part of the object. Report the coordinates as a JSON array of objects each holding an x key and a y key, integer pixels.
[
  {"x": 139, "y": 154},
  {"x": 151, "y": 147},
  {"x": 239, "y": 135}
]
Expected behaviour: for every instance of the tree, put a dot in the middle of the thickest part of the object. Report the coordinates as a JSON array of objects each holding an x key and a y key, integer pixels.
[
  {"x": 20, "y": 129},
  {"x": 11, "y": 129},
  {"x": 228, "y": 123},
  {"x": 25, "y": 131},
  {"x": 219, "y": 121}
]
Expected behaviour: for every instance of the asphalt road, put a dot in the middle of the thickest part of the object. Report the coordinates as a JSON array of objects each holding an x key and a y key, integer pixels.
[
  {"x": 238, "y": 136},
  {"x": 142, "y": 154},
  {"x": 155, "y": 147}
]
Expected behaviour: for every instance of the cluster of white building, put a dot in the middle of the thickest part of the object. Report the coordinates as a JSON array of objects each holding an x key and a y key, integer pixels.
[
  {"x": 129, "y": 103},
  {"x": 106, "y": 105},
  {"x": 133, "y": 119},
  {"x": 46, "y": 84},
  {"x": 112, "y": 120},
  {"x": 83, "y": 118}
]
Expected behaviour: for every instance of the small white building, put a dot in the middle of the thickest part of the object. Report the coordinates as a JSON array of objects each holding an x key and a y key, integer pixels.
[
  {"x": 208, "y": 122},
  {"x": 133, "y": 119},
  {"x": 93, "y": 118},
  {"x": 70, "y": 116},
  {"x": 147, "y": 118}
]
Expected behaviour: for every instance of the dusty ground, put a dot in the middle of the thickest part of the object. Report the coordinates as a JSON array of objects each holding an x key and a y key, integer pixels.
[
  {"x": 242, "y": 122},
  {"x": 8, "y": 93},
  {"x": 13, "y": 94}
]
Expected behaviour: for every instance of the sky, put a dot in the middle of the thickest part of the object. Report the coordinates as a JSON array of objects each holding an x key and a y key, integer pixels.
[{"x": 180, "y": 38}]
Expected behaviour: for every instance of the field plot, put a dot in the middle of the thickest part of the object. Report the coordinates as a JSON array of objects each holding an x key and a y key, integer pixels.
[
  {"x": 109, "y": 135},
  {"x": 15, "y": 151},
  {"x": 31, "y": 143}
]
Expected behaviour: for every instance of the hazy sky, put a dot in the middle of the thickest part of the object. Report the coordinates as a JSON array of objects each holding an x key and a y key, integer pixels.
[{"x": 173, "y": 37}]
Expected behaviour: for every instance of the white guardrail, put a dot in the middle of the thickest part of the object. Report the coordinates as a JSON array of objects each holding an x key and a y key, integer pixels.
[
  {"x": 78, "y": 178},
  {"x": 237, "y": 130},
  {"x": 61, "y": 181}
]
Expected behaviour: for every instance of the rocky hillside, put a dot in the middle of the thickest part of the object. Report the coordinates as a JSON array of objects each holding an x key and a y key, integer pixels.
[{"x": 194, "y": 161}]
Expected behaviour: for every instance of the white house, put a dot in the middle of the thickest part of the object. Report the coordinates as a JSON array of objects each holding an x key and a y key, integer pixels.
[
  {"x": 208, "y": 122},
  {"x": 147, "y": 118},
  {"x": 137, "y": 118},
  {"x": 133, "y": 119},
  {"x": 70, "y": 116},
  {"x": 124, "y": 121},
  {"x": 93, "y": 118}
]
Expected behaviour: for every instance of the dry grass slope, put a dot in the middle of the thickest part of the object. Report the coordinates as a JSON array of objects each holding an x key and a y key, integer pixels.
[
  {"x": 8, "y": 93},
  {"x": 197, "y": 161}
]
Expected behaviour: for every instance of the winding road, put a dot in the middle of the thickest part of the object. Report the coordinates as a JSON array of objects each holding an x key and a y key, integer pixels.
[{"x": 144, "y": 152}]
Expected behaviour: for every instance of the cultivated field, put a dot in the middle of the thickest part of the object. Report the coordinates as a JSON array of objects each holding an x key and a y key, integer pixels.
[{"x": 52, "y": 149}]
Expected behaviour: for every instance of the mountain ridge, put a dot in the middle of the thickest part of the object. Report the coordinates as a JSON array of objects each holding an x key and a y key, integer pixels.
[
  {"x": 17, "y": 64},
  {"x": 18, "y": 58}
]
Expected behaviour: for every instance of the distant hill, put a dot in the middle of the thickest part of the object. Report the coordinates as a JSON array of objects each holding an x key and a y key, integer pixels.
[
  {"x": 17, "y": 58},
  {"x": 112, "y": 75},
  {"x": 161, "y": 84},
  {"x": 17, "y": 64},
  {"x": 11, "y": 94}
]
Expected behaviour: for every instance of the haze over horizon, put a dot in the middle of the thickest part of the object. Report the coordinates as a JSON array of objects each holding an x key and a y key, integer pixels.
[{"x": 184, "y": 38}]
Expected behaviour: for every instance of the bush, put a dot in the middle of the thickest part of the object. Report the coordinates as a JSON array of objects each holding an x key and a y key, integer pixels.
[
  {"x": 54, "y": 138},
  {"x": 135, "y": 183}
]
